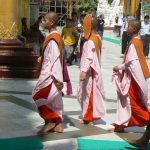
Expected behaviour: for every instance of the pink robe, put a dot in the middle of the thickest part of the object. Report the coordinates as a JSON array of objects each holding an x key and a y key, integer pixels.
[
  {"x": 93, "y": 83},
  {"x": 51, "y": 68},
  {"x": 132, "y": 73}
]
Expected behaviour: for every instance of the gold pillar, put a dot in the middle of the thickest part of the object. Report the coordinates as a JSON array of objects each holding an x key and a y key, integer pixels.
[
  {"x": 8, "y": 19},
  {"x": 125, "y": 8},
  {"x": 134, "y": 7},
  {"x": 11, "y": 12},
  {"x": 70, "y": 8}
]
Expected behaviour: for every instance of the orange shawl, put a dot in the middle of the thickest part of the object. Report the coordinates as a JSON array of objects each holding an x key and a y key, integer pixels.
[
  {"x": 88, "y": 35},
  {"x": 58, "y": 39},
  {"x": 139, "y": 49},
  {"x": 97, "y": 42},
  {"x": 87, "y": 25}
]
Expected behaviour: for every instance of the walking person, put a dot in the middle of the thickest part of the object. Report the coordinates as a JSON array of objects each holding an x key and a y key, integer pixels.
[
  {"x": 124, "y": 35},
  {"x": 47, "y": 93},
  {"x": 130, "y": 79},
  {"x": 69, "y": 34},
  {"x": 100, "y": 25},
  {"x": 145, "y": 35},
  {"x": 91, "y": 93}
]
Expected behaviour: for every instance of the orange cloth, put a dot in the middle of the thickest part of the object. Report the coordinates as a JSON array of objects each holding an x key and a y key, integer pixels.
[
  {"x": 139, "y": 49},
  {"x": 97, "y": 43},
  {"x": 88, "y": 35},
  {"x": 87, "y": 25},
  {"x": 45, "y": 112},
  {"x": 58, "y": 39},
  {"x": 88, "y": 117},
  {"x": 139, "y": 112}
]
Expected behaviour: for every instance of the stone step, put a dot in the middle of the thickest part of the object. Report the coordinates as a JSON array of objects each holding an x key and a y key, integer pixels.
[
  {"x": 18, "y": 53},
  {"x": 17, "y": 72},
  {"x": 15, "y": 48},
  {"x": 18, "y": 60}
]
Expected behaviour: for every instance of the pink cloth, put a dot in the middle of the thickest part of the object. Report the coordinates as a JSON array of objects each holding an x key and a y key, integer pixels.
[
  {"x": 66, "y": 77},
  {"x": 90, "y": 60},
  {"x": 132, "y": 67},
  {"x": 51, "y": 68}
]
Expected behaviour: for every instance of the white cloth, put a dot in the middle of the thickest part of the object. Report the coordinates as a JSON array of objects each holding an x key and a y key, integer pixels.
[
  {"x": 124, "y": 27},
  {"x": 145, "y": 28}
]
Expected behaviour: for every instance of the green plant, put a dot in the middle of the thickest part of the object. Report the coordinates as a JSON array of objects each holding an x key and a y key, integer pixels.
[
  {"x": 86, "y": 5},
  {"x": 110, "y": 2}
]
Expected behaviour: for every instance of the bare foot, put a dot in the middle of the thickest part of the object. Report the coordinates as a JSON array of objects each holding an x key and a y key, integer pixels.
[
  {"x": 117, "y": 129},
  {"x": 91, "y": 123},
  {"x": 46, "y": 128},
  {"x": 81, "y": 121},
  {"x": 58, "y": 128},
  {"x": 86, "y": 122},
  {"x": 111, "y": 130}
]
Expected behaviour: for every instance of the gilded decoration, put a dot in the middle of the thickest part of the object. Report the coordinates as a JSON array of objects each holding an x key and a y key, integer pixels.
[{"x": 10, "y": 32}]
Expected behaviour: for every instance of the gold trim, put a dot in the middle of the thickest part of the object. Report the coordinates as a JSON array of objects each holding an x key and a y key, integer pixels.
[{"x": 6, "y": 33}]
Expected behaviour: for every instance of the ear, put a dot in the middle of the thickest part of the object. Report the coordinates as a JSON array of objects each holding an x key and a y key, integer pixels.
[{"x": 52, "y": 22}]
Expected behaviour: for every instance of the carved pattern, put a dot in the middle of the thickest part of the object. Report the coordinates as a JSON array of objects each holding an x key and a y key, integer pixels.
[{"x": 8, "y": 33}]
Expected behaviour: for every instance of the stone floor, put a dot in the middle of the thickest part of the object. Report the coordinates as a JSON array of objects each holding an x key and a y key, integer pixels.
[{"x": 19, "y": 117}]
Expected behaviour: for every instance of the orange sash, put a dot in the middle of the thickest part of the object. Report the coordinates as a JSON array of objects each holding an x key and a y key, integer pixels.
[
  {"x": 139, "y": 49},
  {"x": 87, "y": 24},
  {"x": 58, "y": 39},
  {"x": 97, "y": 43}
]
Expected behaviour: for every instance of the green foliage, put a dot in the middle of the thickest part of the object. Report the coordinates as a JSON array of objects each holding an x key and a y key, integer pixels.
[
  {"x": 110, "y": 2},
  {"x": 86, "y": 5}
]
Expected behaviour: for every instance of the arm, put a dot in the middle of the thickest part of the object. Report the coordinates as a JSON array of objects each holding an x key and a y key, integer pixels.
[
  {"x": 56, "y": 69},
  {"x": 119, "y": 67},
  {"x": 131, "y": 57},
  {"x": 86, "y": 59}
]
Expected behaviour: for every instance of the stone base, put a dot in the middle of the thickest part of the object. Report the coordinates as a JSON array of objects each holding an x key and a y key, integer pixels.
[
  {"x": 16, "y": 60},
  {"x": 17, "y": 72},
  {"x": 10, "y": 42}
]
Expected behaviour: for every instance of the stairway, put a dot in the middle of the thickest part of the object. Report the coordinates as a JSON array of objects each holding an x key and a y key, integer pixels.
[{"x": 17, "y": 62}]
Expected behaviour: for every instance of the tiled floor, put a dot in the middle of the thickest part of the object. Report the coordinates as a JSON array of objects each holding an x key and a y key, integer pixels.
[{"x": 19, "y": 117}]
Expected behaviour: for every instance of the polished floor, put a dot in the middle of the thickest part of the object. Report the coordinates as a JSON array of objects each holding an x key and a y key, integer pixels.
[{"x": 19, "y": 117}]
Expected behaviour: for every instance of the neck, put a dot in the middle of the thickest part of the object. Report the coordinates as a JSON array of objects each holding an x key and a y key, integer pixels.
[
  {"x": 93, "y": 31},
  {"x": 135, "y": 35},
  {"x": 52, "y": 29}
]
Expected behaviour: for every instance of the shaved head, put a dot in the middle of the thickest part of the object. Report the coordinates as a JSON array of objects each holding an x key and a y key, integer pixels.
[
  {"x": 52, "y": 16},
  {"x": 136, "y": 24}
]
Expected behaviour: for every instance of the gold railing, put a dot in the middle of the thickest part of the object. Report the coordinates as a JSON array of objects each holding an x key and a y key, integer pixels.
[{"x": 10, "y": 32}]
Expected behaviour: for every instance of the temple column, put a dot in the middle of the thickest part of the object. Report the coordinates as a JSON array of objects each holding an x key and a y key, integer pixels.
[
  {"x": 128, "y": 7},
  {"x": 11, "y": 13},
  {"x": 17, "y": 60},
  {"x": 134, "y": 7},
  {"x": 8, "y": 19},
  {"x": 70, "y": 8}
]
